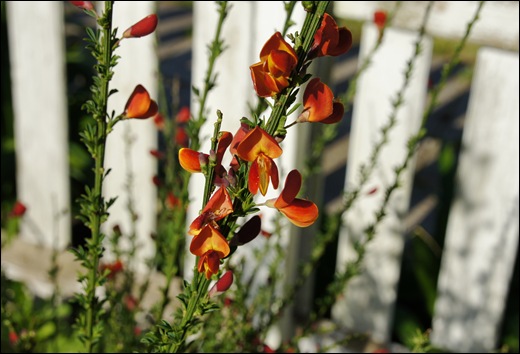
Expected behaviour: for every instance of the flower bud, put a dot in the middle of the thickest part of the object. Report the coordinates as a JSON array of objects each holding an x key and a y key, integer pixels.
[
  {"x": 222, "y": 284},
  {"x": 142, "y": 28}
]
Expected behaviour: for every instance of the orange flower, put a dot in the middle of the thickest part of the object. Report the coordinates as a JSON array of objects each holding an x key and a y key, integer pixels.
[
  {"x": 260, "y": 148},
  {"x": 319, "y": 105},
  {"x": 211, "y": 247},
  {"x": 300, "y": 212},
  {"x": 218, "y": 207},
  {"x": 192, "y": 161},
  {"x": 330, "y": 39},
  {"x": 277, "y": 60},
  {"x": 140, "y": 105},
  {"x": 142, "y": 28}
]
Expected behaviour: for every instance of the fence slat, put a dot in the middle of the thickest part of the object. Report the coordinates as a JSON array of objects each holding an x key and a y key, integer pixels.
[
  {"x": 36, "y": 47},
  {"x": 482, "y": 232},
  {"x": 138, "y": 65},
  {"x": 368, "y": 301}
]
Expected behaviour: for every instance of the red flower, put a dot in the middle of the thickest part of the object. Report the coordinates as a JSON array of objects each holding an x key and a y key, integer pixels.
[
  {"x": 380, "y": 19},
  {"x": 319, "y": 104},
  {"x": 218, "y": 207},
  {"x": 13, "y": 337},
  {"x": 193, "y": 161},
  {"x": 142, "y": 28},
  {"x": 222, "y": 284},
  {"x": 85, "y": 5},
  {"x": 277, "y": 60},
  {"x": 300, "y": 212},
  {"x": 330, "y": 39},
  {"x": 140, "y": 105},
  {"x": 211, "y": 247},
  {"x": 114, "y": 268},
  {"x": 18, "y": 210},
  {"x": 158, "y": 120},
  {"x": 183, "y": 115},
  {"x": 260, "y": 148}
]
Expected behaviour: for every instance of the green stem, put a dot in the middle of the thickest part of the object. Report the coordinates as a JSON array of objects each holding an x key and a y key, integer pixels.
[
  {"x": 95, "y": 249},
  {"x": 310, "y": 25}
]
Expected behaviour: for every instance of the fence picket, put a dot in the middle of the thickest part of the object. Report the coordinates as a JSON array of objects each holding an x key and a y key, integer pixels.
[
  {"x": 368, "y": 301},
  {"x": 37, "y": 55},
  {"x": 482, "y": 233}
]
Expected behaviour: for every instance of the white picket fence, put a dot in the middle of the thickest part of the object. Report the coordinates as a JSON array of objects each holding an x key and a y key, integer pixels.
[{"x": 482, "y": 235}]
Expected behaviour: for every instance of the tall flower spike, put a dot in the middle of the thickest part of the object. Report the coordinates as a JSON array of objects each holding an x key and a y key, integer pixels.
[
  {"x": 218, "y": 207},
  {"x": 330, "y": 39},
  {"x": 260, "y": 148},
  {"x": 319, "y": 105},
  {"x": 277, "y": 60},
  {"x": 142, "y": 28},
  {"x": 300, "y": 212},
  {"x": 211, "y": 247},
  {"x": 140, "y": 105}
]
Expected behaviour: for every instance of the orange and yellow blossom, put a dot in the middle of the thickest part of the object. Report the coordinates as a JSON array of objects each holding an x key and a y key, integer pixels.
[
  {"x": 330, "y": 39},
  {"x": 300, "y": 212},
  {"x": 192, "y": 161},
  {"x": 211, "y": 247},
  {"x": 218, "y": 207},
  {"x": 319, "y": 105},
  {"x": 277, "y": 60},
  {"x": 140, "y": 105},
  {"x": 260, "y": 148}
]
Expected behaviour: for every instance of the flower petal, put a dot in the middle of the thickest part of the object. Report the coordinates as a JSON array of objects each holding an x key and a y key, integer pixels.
[
  {"x": 140, "y": 105},
  {"x": 190, "y": 160},
  {"x": 317, "y": 100},
  {"x": 301, "y": 212},
  {"x": 291, "y": 188},
  {"x": 258, "y": 141},
  {"x": 142, "y": 28},
  {"x": 209, "y": 239}
]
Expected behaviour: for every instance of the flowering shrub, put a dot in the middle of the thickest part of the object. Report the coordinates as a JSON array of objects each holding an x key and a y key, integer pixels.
[{"x": 217, "y": 311}]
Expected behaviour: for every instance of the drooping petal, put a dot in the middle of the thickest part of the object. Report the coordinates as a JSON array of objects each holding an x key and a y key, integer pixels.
[
  {"x": 190, "y": 160},
  {"x": 223, "y": 142},
  {"x": 264, "y": 84},
  {"x": 253, "y": 181},
  {"x": 317, "y": 100},
  {"x": 291, "y": 188},
  {"x": 209, "y": 264},
  {"x": 330, "y": 40},
  {"x": 209, "y": 239},
  {"x": 337, "y": 114},
  {"x": 140, "y": 105},
  {"x": 301, "y": 212},
  {"x": 220, "y": 204},
  {"x": 257, "y": 141}
]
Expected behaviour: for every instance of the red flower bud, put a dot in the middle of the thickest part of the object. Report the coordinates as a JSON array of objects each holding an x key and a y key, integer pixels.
[
  {"x": 85, "y": 5},
  {"x": 19, "y": 209},
  {"x": 222, "y": 284},
  {"x": 142, "y": 28}
]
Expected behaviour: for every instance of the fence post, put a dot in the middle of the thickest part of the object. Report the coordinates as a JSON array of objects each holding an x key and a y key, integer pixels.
[
  {"x": 482, "y": 232},
  {"x": 367, "y": 303},
  {"x": 36, "y": 47},
  {"x": 129, "y": 145}
]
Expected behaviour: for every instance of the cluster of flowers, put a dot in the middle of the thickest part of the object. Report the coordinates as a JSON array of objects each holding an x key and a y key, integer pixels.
[{"x": 252, "y": 146}]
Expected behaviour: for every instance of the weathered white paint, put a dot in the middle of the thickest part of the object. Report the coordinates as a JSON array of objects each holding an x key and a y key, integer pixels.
[
  {"x": 368, "y": 301},
  {"x": 482, "y": 232},
  {"x": 36, "y": 47},
  {"x": 498, "y": 24},
  {"x": 138, "y": 65}
]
